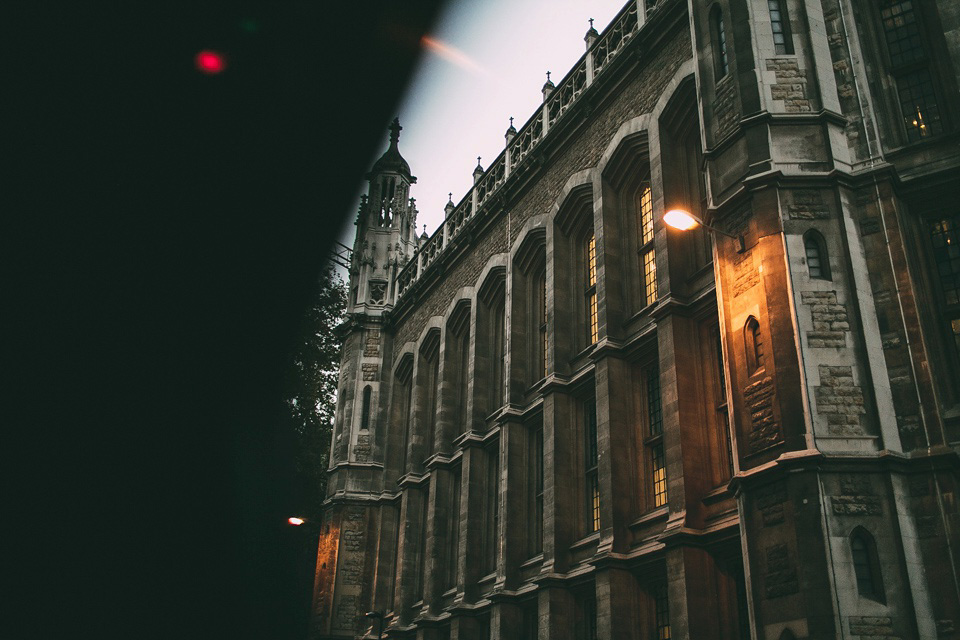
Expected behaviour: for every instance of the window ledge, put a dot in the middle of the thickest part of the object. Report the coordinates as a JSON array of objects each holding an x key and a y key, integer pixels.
[
  {"x": 535, "y": 560},
  {"x": 582, "y": 543},
  {"x": 660, "y": 513},
  {"x": 717, "y": 495}
]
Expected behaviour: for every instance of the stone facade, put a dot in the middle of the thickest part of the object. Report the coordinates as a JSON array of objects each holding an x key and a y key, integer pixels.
[{"x": 561, "y": 419}]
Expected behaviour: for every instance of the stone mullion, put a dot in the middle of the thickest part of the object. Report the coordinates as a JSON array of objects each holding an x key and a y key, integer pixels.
[
  {"x": 561, "y": 482},
  {"x": 617, "y": 612},
  {"x": 513, "y": 530},
  {"x": 616, "y": 434}
]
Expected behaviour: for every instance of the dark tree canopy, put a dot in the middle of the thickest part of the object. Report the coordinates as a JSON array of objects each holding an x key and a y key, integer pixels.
[{"x": 311, "y": 388}]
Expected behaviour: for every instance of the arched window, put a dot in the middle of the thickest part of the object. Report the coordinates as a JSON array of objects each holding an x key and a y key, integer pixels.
[
  {"x": 818, "y": 260},
  {"x": 721, "y": 64},
  {"x": 365, "y": 411},
  {"x": 866, "y": 564},
  {"x": 753, "y": 345}
]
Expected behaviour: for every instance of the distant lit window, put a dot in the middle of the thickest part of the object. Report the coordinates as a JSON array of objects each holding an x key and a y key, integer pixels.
[
  {"x": 590, "y": 293},
  {"x": 662, "y": 611},
  {"x": 654, "y": 440},
  {"x": 945, "y": 241},
  {"x": 909, "y": 64},
  {"x": 648, "y": 258}
]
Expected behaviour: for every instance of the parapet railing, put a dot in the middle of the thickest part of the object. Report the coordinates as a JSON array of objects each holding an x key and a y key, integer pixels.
[{"x": 601, "y": 50}]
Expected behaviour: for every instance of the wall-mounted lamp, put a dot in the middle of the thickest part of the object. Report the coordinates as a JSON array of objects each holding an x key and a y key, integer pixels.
[{"x": 684, "y": 221}]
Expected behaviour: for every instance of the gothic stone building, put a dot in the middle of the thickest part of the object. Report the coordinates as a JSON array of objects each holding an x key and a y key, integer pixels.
[{"x": 561, "y": 419}]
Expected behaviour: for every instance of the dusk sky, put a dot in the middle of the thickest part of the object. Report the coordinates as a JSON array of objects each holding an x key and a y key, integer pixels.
[{"x": 489, "y": 63}]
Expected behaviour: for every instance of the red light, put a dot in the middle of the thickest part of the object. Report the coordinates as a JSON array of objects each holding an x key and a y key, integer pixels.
[
  {"x": 210, "y": 62},
  {"x": 295, "y": 521}
]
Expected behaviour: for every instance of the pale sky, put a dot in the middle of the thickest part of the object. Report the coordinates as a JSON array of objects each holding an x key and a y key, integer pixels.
[{"x": 493, "y": 63}]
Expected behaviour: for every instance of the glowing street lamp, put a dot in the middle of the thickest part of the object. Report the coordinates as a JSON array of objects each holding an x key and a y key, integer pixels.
[
  {"x": 684, "y": 221},
  {"x": 295, "y": 521}
]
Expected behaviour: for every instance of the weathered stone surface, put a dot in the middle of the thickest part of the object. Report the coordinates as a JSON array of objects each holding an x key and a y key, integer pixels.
[
  {"x": 781, "y": 577},
  {"x": 764, "y": 428},
  {"x": 746, "y": 275},
  {"x": 840, "y": 400},
  {"x": 791, "y": 84}
]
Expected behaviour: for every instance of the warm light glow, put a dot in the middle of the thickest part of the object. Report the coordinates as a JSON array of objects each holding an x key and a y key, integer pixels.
[
  {"x": 453, "y": 55},
  {"x": 295, "y": 521},
  {"x": 679, "y": 220},
  {"x": 210, "y": 62}
]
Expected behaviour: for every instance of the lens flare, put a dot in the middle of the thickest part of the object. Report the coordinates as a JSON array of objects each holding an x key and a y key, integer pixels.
[{"x": 210, "y": 62}]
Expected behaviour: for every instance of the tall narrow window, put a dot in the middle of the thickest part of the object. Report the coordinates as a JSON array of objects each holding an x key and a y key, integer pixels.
[
  {"x": 433, "y": 396},
  {"x": 723, "y": 417},
  {"x": 586, "y": 627},
  {"x": 945, "y": 239},
  {"x": 535, "y": 467},
  {"x": 662, "y": 611},
  {"x": 654, "y": 441},
  {"x": 818, "y": 261},
  {"x": 910, "y": 67},
  {"x": 590, "y": 293},
  {"x": 753, "y": 345},
  {"x": 780, "y": 23},
  {"x": 648, "y": 259},
  {"x": 492, "y": 515},
  {"x": 408, "y": 417},
  {"x": 542, "y": 323},
  {"x": 463, "y": 380},
  {"x": 484, "y": 624},
  {"x": 866, "y": 565},
  {"x": 531, "y": 621},
  {"x": 453, "y": 529},
  {"x": 500, "y": 352},
  {"x": 590, "y": 465},
  {"x": 422, "y": 550},
  {"x": 365, "y": 409},
  {"x": 721, "y": 64}
]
